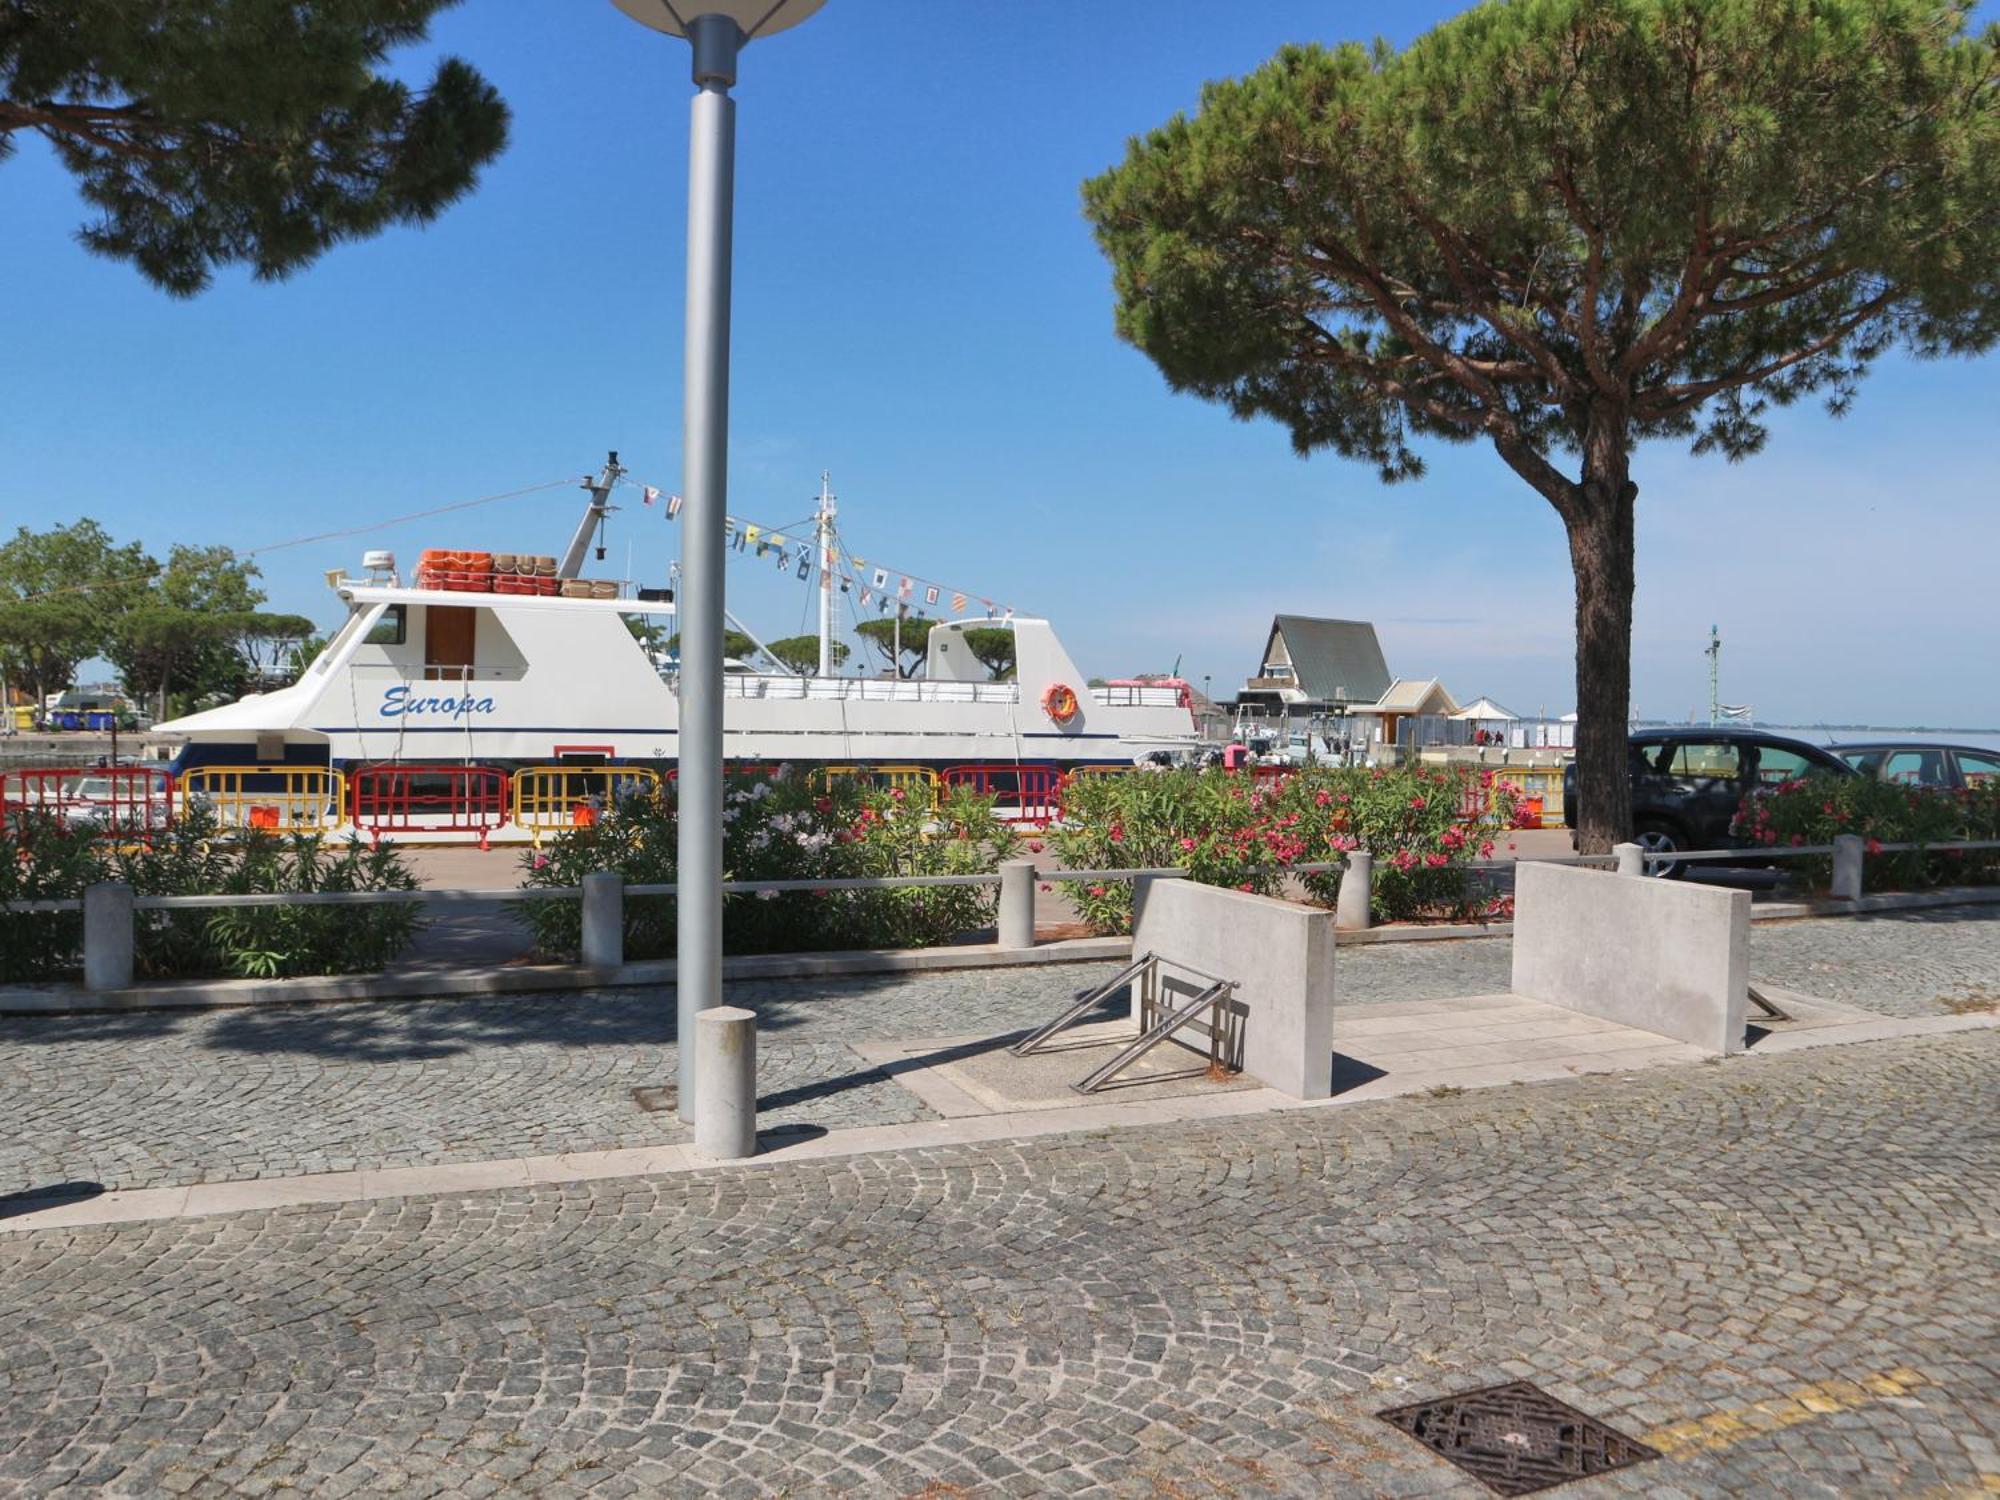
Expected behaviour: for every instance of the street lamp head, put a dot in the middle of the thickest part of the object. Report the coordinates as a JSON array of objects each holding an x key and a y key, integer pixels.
[
  {"x": 753, "y": 18},
  {"x": 718, "y": 29}
]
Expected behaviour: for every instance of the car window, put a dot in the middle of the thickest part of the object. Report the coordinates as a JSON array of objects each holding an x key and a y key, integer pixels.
[
  {"x": 1978, "y": 769},
  {"x": 1775, "y": 764},
  {"x": 1916, "y": 768},
  {"x": 1719, "y": 762},
  {"x": 1867, "y": 762}
]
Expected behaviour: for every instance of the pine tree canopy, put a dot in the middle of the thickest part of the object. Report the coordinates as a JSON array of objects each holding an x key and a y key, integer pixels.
[
  {"x": 1563, "y": 227},
  {"x": 213, "y": 132}
]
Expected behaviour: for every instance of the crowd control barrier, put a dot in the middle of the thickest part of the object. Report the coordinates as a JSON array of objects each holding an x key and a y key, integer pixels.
[
  {"x": 547, "y": 799},
  {"x": 428, "y": 799},
  {"x": 274, "y": 799},
  {"x": 125, "y": 802},
  {"x": 1021, "y": 794},
  {"x": 919, "y": 782}
]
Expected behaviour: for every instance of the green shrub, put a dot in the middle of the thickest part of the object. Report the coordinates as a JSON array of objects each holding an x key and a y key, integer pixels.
[
  {"x": 49, "y": 861},
  {"x": 1813, "y": 809},
  {"x": 1425, "y": 828},
  {"x": 785, "y": 827}
]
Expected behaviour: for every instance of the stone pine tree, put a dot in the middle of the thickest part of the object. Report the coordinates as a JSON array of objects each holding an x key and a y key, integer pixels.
[
  {"x": 886, "y": 634},
  {"x": 801, "y": 653},
  {"x": 1560, "y": 228},
  {"x": 210, "y": 132},
  {"x": 993, "y": 645}
]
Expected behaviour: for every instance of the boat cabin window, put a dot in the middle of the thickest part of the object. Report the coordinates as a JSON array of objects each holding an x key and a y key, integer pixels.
[{"x": 390, "y": 630}]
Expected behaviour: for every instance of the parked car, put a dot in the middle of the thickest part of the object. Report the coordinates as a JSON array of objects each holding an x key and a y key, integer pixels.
[
  {"x": 1687, "y": 785},
  {"x": 1951, "y": 766}
]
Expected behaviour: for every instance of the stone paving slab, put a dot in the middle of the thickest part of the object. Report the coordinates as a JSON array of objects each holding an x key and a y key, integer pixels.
[{"x": 1777, "y": 1271}]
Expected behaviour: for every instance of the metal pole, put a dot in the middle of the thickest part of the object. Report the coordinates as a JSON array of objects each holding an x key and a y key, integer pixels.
[
  {"x": 705, "y": 489},
  {"x": 825, "y": 537}
]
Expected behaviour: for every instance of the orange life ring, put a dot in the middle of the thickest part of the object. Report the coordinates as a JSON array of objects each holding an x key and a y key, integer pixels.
[{"x": 1059, "y": 702}]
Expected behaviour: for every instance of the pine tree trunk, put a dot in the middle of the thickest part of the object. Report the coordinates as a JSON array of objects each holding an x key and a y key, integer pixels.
[{"x": 1600, "y": 526}]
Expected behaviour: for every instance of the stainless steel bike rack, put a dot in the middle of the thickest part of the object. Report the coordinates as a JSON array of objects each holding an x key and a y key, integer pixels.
[
  {"x": 1167, "y": 1004},
  {"x": 1086, "y": 1001}
]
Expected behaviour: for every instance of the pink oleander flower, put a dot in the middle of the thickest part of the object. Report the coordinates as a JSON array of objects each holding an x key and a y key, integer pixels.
[
  {"x": 1187, "y": 843},
  {"x": 1417, "y": 802},
  {"x": 1097, "y": 890},
  {"x": 1034, "y": 846},
  {"x": 1437, "y": 861}
]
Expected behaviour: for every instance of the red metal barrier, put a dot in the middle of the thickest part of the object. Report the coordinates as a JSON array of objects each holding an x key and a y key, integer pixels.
[
  {"x": 1022, "y": 794},
  {"x": 1269, "y": 776},
  {"x": 127, "y": 802},
  {"x": 428, "y": 799}
]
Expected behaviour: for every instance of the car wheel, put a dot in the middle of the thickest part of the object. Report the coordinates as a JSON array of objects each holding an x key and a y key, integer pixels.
[{"x": 1662, "y": 838}]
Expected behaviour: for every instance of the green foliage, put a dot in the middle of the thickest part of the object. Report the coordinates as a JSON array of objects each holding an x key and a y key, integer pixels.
[
  {"x": 1563, "y": 227},
  {"x": 994, "y": 647},
  {"x": 60, "y": 591},
  {"x": 1812, "y": 810},
  {"x": 1226, "y": 829},
  {"x": 883, "y": 632},
  {"x": 734, "y": 643},
  {"x": 211, "y": 132},
  {"x": 43, "y": 860},
  {"x": 801, "y": 653},
  {"x": 787, "y": 827}
]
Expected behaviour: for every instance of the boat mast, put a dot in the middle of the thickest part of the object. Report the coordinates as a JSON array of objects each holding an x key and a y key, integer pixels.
[
  {"x": 824, "y": 533},
  {"x": 593, "y": 516}
]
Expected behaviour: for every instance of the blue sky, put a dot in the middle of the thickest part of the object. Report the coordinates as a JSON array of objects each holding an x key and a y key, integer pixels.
[{"x": 920, "y": 309}]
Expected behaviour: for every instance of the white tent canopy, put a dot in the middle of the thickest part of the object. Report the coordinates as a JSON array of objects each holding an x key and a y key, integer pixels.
[{"x": 1486, "y": 711}]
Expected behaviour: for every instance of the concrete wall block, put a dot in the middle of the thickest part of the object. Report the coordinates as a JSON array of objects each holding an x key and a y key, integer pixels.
[
  {"x": 1660, "y": 955},
  {"x": 1279, "y": 954}
]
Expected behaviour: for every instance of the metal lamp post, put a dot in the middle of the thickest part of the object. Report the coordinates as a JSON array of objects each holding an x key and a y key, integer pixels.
[{"x": 716, "y": 31}]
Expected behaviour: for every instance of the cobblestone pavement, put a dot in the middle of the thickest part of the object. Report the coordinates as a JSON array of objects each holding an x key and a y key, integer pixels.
[
  {"x": 157, "y": 1099},
  {"x": 1918, "y": 963},
  {"x": 1778, "y": 1272}
]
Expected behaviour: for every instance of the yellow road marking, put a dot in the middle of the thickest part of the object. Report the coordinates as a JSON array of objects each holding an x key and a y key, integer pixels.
[{"x": 1731, "y": 1425}]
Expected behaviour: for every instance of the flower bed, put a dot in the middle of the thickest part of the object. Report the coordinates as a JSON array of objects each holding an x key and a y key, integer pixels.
[
  {"x": 787, "y": 826},
  {"x": 49, "y": 862},
  {"x": 1814, "y": 809},
  {"x": 1425, "y": 827}
]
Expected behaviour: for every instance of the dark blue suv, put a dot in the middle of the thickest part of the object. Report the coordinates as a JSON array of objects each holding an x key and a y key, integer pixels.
[{"x": 1688, "y": 783}]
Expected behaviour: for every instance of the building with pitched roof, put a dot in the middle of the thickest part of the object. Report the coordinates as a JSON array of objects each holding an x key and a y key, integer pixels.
[{"x": 1312, "y": 666}]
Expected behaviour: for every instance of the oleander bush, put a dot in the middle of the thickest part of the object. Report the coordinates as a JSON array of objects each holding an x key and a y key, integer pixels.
[
  {"x": 42, "y": 859},
  {"x": 1811, "y": 810},
  {"x": 1424, "y": 826},
  {"x": 786, "y": 826}
]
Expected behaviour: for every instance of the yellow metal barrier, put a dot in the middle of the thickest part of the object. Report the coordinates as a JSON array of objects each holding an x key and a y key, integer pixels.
[
  {"x": 913, "y": 781},
  {"x": 1076, "y": 771},
  {"x": 271, "y": 799},
  {"x": 1543, "y": 782},
  {"x": 550, "y": 798}
]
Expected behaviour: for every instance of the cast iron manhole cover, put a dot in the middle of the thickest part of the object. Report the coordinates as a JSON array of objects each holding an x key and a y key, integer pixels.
[{"x": 1517, "y": 1438}]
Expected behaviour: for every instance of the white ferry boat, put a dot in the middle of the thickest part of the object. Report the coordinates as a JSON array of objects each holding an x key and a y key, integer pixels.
[{"x": 428, "y": 675}]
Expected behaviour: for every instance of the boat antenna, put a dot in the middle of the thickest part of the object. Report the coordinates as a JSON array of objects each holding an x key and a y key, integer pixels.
[
  {"x": 593, "y": 516},
  {"x": 823, "y": 534}
]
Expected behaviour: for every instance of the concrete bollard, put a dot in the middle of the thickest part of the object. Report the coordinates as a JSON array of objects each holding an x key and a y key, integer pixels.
[
  {"x": 603, "y": 919},
  {"x": 1631, "y": 859},
  {"x": 1848, "y": 851},
  {"x": 1354, "y": 907},
  {"x": 725, "y": 1083},
  {"x": 1015, "y": 919},
  {"x": 107, "y": 936}
]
